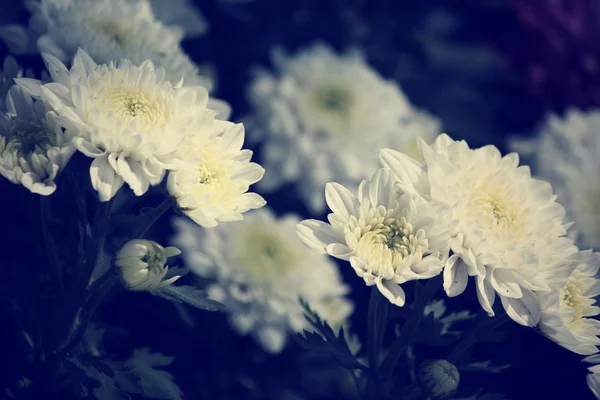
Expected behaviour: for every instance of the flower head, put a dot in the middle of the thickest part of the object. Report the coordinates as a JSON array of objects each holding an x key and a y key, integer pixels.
[
  {"x": 216, "y": 189},
  {"x": 565, "y": 153},
  {"x": 111, "y": 30},
  {"x": 33, "y": 147},
  {"x": 505, "y": 221},
  {"x": 128, "y": 118},
  {"x": 325, "y": 116},
  {"x": 566, "y": 311},
  {"x": 388, "y": 236},
  {"x": 259, "y": 270},
  {"x": 142, "y": 264}
]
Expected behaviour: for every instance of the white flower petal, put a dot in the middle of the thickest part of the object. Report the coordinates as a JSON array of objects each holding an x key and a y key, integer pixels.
[
  {"x": 455, "y": 276},
  {"x": 340, "y": 200},
  {"x": 392, "y": 291},
  {"x": 104, "y": 179},
  {"x": 524, "y": 311}
]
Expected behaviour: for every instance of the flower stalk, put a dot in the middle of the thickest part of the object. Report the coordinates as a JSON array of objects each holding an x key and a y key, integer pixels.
[{"x": 410, "y": 328}]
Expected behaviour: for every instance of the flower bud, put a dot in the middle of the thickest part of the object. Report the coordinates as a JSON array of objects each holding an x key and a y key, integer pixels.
[
  {"x": 142, "y": 264},
  {"x": 438, "y": 378}
]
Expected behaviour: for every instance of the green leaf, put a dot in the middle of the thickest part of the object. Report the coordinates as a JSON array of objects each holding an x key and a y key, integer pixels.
[
  {"x": 188, "y": 295},
  {"x": 104, "y": 386},
  {"x": 325, "y": 341},
  {"x": 148, "y": 381}
]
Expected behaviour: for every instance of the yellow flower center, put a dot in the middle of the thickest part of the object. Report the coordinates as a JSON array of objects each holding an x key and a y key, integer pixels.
[
  {"x": 263, "y": 255},
  {"x": 132, "y": 104},
  {"x": 333, "y": 100},
  {"x": 571, "y": 297},
  {"x": 494, "y": 208},
  {"x": 389, "y": 240}
]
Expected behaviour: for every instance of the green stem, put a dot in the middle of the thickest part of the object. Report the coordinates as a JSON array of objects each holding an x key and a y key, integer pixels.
[
  {"x": 489, "y": 324},
  {"x": 376, "y": 324},
  {"x": 410, "y": 328},
  {"x": 102, "y": 287},
  {"x": 96, "y": 243},
  {"x": 50, "y": 246}
]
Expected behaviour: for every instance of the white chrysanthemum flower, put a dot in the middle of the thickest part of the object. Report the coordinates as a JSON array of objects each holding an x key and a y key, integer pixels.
[
  {"x": 128, "y": 118},
  {"x": 566, "y": 153},
  {"x": 325, "y": 116},
  {"x": 143, "y": 264},
  {"x": 566, "y": 310},
  {"x": 593, "y": 379},
  {"x": 33, "y": 147},
  {"x": 388, "y": 236},
  {"x": 110, "y": 30},
  {"x": 505, "y": 221},
  {"x": 216, "y": 189},
  {"x": 259, "y": 270}
]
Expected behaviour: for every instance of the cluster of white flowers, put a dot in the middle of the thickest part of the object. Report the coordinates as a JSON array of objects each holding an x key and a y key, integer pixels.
[
  {"x": 136, "y": 126},
  {"x": 259, "y": 270},
  {"x": 325, "y": 116},
  {"x": 120, "y": 90},
  {"x": 464, "y": 212}
]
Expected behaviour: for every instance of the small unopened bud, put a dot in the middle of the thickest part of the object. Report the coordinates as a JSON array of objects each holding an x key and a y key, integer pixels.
[
  {"x": 438, "y": 378},
  {"x": 142, "y": 264}
]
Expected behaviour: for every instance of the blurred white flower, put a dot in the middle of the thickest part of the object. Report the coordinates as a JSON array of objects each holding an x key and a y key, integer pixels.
[
  {"x": 388, "y": 236},
  {"x": 593, "y": 379},
  {"x": 33, "y": 147},
  {"x": 128, "y": 118},
  {"x": 216, "y": 189},
  {"x": 324, "y": 117},
  {"x": 566, "y": 152},
  {"x": 505, "y": 221},
  {"x": 259, "y": 270},
  {"x": 142, "y": 264},
  {"x": 108, "y": 30},
  {"x": 566, "y": 310}
]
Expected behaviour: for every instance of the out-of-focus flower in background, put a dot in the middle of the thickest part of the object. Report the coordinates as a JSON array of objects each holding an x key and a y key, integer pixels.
[
  {"x": 259, "y": 269},
  {"x": 566, "y": 153},
  {"x": 324, "y": 116},
  {"x": 142, "y": 264},
  {"x": 388, "y": 236},
  {"x": 505, "y": 221},
  {"x": 108, "y": 30},
  {"x": 33, "y": 147}
]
